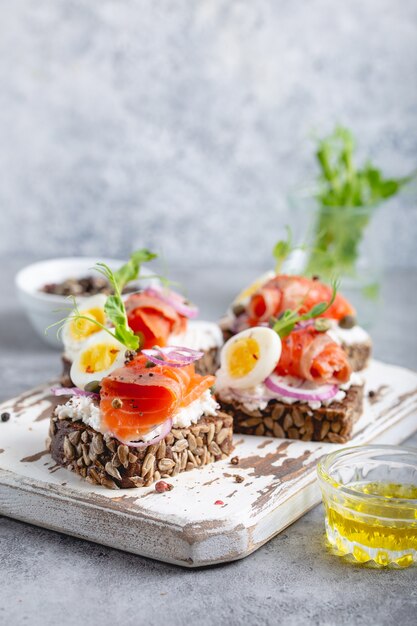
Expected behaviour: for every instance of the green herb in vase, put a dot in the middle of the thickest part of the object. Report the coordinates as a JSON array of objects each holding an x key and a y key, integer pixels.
[{"x": 347, "y": 198}]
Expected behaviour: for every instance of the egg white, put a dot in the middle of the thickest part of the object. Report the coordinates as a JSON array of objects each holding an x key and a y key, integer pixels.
[
  {"x": 71, "y": 345},
  {"x": 79, "y": 376},
  {"x": 269, "y": 344}
]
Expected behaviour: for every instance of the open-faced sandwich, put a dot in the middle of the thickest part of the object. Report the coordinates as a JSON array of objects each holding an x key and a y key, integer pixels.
[
  {"x": 291, "y": 378},
  {"x": 134, "y": 414},
  {"x": 156, "y": 314},
  {"x": 272, "y": 294}
]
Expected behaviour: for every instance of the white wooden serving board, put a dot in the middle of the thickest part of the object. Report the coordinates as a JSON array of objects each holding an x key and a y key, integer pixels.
[{"x": 185, "y": 526}]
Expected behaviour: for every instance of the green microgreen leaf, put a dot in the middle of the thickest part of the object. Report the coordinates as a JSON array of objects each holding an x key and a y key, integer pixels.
[
  {"x": 131, "y": 270},
  {"x": 115, "y": 311},
  {"x": 286, "y": 322},
  {"x": 114, "y": 307},
  {"x": 282, "y": 250},
  {"x": 371, "y": 291}
]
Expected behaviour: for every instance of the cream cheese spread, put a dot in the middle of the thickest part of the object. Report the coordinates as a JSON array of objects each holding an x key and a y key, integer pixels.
[
  {"x": 87, "y": 410},
  {"x": 199, "y": 335},
  {"x": 348, "y": 336},
  {"x": 257, "y": 398}
]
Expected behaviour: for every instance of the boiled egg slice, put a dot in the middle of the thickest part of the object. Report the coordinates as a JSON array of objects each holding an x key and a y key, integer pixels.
[
  {"x": 100, "y": 355},
  {"x": 249, "y": 357},
  {"x": 77, "y": 331},
  {"x": 245, "y": 295}
]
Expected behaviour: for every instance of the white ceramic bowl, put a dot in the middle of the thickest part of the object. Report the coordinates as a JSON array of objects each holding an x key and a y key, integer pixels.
[{"x": 43, "y": 309}]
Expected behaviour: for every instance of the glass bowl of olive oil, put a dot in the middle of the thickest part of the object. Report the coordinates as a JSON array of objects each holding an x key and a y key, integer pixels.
[{"x": 370, "y": 499}]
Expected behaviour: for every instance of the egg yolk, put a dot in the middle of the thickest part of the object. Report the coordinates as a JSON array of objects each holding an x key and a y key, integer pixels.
[
  {"x": 242, "y": 357},
  {"x": 81, "y": 329},
  {"x": 98, "y": 358}
]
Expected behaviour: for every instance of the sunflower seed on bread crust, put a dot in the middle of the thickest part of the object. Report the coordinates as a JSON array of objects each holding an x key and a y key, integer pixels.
[
  {"x": 103, "y": 460},
  {"x": 332, "y": 423}
]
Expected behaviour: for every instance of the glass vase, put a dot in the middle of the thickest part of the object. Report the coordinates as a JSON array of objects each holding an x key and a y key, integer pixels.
[{"x": 339, "y": 242}]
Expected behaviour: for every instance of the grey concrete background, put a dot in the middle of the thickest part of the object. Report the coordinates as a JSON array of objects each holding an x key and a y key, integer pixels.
[
  {"x": 49, "y": 579},
  {"x": 181, "y": 125}
]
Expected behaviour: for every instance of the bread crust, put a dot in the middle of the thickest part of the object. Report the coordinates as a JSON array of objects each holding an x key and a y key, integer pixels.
[
  {"x": 358, "y": 354},
  {"x": 331, "y": 423},
  {"x": 103, "y": 460}
]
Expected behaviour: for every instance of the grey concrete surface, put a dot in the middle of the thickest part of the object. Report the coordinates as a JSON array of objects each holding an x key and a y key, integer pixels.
[
  {"x": 191, "y": 120},
  {"x": 47, "y": 578}
]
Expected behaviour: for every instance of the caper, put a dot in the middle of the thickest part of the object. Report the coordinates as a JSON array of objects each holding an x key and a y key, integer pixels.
[
  {"x": 93, "y": 386},
  {"x": 349, "y": 321},
  {"x": 322, "y": 324},
  {"x": 238, "y": 309}
]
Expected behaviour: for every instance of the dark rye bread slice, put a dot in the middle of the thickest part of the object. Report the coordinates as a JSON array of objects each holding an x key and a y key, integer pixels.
[
  {"x": 332, "y": 423},
  {"x": 208, "y": 364},
  {"x": 358, "y": 353},
  {"x": 103, "y": 460}
]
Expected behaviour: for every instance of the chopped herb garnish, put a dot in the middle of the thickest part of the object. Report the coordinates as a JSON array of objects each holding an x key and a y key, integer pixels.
[{"x": 289, "y": 318}]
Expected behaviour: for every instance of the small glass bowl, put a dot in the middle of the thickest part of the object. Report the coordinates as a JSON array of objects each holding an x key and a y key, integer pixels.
[{"x": 370, "y": 499}]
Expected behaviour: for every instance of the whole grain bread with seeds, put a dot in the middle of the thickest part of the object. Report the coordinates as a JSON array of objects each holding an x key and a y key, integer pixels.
[
  {"x": 333, "y": 423},
  {"x": 104, "y": 460},
  {"x": 151, "y": 418},
  {"x": 135, "y": 411},
  {"x": 290, "y": 380}
]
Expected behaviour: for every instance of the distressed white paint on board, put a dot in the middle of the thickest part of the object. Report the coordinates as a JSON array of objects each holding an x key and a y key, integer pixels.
[{"x": 184, "y": 526}]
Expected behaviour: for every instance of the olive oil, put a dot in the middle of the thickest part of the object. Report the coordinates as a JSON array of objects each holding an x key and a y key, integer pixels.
[{"x": 379, "y": 526}]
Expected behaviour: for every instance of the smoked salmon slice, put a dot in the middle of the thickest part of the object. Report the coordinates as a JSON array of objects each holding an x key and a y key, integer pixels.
[
  {"x": 314, "y": 356},
  {"x": 296, "y": 293},
  {"x": 154, "y": 319},
  {"x": 135, "y": 399}
]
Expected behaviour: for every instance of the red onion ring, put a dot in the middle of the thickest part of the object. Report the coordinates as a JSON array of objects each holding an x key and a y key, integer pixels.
[
  {"x": 173, "y": 356},
  {"x": 73, "y": 391},
  {"x": 173, "y": 299},
  {"x": 323, "y": 392},
  {"x": 167, "y": 425}
]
